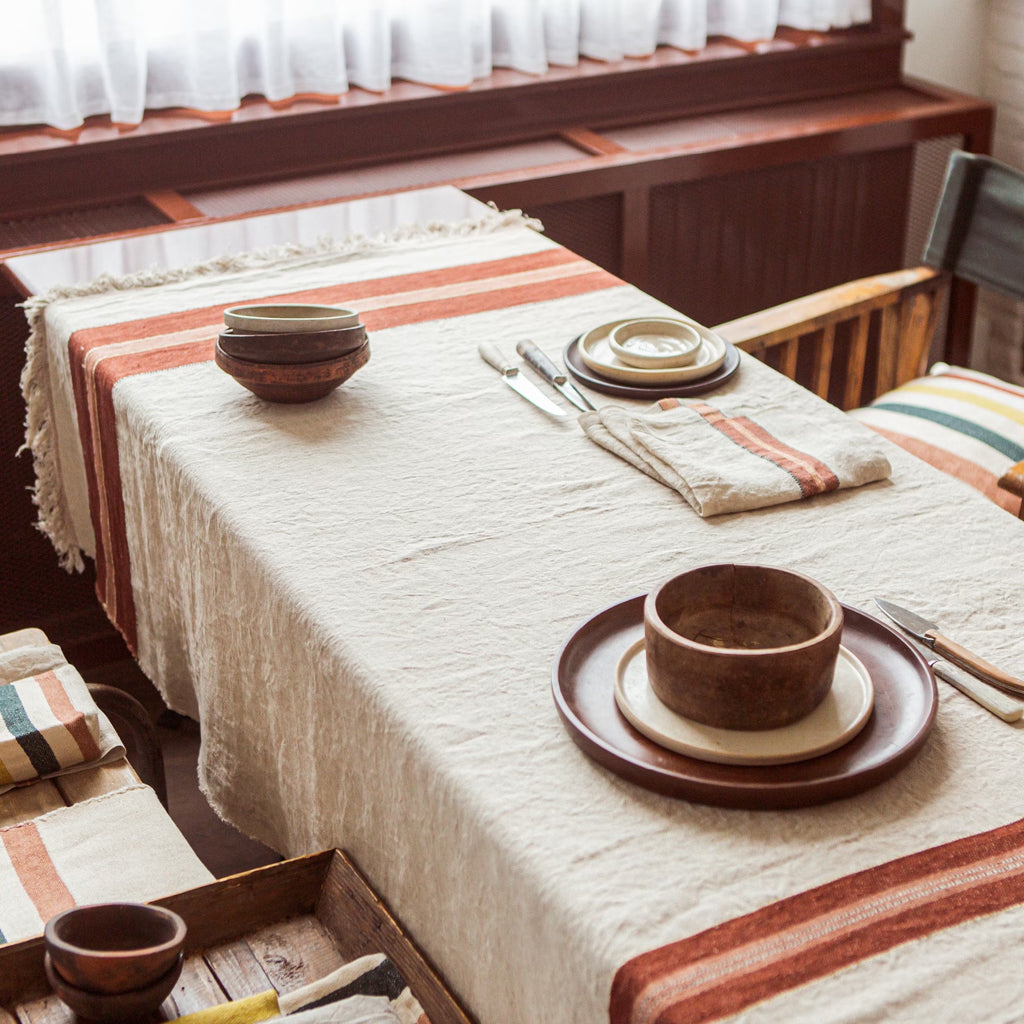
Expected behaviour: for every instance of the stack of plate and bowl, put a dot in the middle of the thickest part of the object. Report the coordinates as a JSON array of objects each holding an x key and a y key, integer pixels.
[
  {"x": 291, "y": 352},
  {"x": 651, "y": 357}
]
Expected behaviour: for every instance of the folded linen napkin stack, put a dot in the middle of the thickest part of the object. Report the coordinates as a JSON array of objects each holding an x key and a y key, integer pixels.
[
  {"x": 740, "y": 454},
  {"x": 49, "y": 725}
]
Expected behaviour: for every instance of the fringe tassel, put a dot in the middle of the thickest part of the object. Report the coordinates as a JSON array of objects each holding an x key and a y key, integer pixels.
[{"x": 48, "y": 493}]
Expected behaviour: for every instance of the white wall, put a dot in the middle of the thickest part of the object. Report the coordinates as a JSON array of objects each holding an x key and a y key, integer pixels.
[
  {"x": 977, "y": 46},
  {"x": 949, "y": 42}
]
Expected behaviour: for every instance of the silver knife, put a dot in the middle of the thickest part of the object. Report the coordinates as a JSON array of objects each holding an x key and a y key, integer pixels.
[
  {"x": 547, "y": 369},
  {"x": 1001, "y": 704},
  {"x": 928, "y": 632},
  {"x": 510, "y": 373}
]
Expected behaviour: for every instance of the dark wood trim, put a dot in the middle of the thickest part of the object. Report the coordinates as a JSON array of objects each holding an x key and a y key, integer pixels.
[
  {"x": 173, "y": 206},
  {"x": 43, "y": 171}
]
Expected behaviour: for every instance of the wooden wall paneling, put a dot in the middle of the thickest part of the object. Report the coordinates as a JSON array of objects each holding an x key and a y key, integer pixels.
[
  {"x": 591, "y": 226},
  {"x": 726, "y": 247}
]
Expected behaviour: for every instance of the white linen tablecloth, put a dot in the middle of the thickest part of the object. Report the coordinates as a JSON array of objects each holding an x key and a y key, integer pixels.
[{"x": 362, "y": 599}]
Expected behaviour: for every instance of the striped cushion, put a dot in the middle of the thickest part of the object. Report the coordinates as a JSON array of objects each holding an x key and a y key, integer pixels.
[
  {"x": 965, "y": 423},
  {"x": 48, "y": 722}
]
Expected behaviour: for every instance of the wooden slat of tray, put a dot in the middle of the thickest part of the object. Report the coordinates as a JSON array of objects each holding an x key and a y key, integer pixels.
[{"x": 291, "y": 922}]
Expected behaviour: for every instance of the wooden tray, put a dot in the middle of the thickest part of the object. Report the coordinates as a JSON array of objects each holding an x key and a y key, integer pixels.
[
  {"x": 583, "y": 681},
  {"x": 281, "y": 927}
]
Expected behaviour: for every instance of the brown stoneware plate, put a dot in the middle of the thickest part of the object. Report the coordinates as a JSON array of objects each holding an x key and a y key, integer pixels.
[
  {"x": 583, "y": 681},
  {"x": 652, "y": 392}
]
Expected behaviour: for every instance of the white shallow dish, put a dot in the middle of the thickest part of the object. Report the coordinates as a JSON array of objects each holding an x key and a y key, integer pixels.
[
  {"x": 289, "y": 318},
  {"x": 835, "y": 721},
  {"x": 596, "y": 352},
  {"x": 655, "y": 343}
]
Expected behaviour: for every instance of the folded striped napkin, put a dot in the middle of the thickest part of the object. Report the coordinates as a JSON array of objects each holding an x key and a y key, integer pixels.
[
  {"x": 746, "y": 453},
  {"x": 49, "y": 725}
]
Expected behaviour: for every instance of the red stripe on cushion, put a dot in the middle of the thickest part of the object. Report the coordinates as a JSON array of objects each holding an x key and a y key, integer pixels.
[
  {"x": 36, "y": 872},
  {"x": 68, "y": 715}
]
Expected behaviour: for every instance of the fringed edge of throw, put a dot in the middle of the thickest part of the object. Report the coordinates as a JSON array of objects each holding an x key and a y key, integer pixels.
[{"x": 47, "y": 493}]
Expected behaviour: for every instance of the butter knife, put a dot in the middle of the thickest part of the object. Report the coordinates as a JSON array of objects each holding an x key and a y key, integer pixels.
[
  {"x": 1001, "y": 704},
  {"x": 928, "y": 633},
  {"x": 490, "y": 353},
  {"x": 547, "y": 369}
]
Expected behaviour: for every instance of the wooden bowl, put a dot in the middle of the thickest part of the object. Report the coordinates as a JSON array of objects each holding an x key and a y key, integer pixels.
[
  {"x": 292, "y": 382},
  {"x": 742, "y": 646},
  {"x": 135, "y": 1005},
  {"x": 114, "y": 947},
  {"x": 289, "y": 317},
  {"x": 295, "y": 347}
]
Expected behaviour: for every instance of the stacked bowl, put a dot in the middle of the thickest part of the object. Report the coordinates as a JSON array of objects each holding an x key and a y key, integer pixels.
[{"x": 291, "y": 352}]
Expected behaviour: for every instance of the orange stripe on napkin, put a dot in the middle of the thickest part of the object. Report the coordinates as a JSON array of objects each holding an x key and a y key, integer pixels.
[
  {"x": 68, "y": 715},
  {"x": 812, "y": 475},
  {"x": 739, "y": 963},
  {"x": 36, "y": 872}
]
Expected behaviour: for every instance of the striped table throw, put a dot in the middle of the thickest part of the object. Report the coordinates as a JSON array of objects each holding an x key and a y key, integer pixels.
[
  {"x": 968, "y": 424},
  {"x": 49, "y": 724},
  {"x": 739, "y": 963},
  {"x": 739, "y": 454}
]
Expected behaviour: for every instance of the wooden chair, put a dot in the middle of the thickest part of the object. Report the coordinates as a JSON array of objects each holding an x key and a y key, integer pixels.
[{"x": 853, "y": 342}]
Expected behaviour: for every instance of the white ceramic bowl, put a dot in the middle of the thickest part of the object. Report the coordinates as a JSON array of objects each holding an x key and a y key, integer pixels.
[
  {"x": 653, "y": 343},
  {"x": 289, "y": 318}
]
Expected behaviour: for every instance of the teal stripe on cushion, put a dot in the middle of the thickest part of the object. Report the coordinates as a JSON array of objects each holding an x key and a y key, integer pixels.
[
  {"x": 1003, "y": 445},
  {"x": 20, "y": 726}
]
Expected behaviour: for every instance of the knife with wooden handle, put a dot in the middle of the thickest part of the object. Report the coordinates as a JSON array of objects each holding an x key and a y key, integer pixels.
[
  {"x": 999, "y": 703},
  {"x": 551, "y": 373},
  {"x": 928, "y": 633}
]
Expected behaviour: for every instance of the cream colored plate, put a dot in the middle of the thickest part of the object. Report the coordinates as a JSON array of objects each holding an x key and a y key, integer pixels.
[
  {"x": 596, "y": 351},
  {"x": 835, "y": 721}
]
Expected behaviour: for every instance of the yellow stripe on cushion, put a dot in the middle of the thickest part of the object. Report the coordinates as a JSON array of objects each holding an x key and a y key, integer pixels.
[
  {"x": 963, "y": 395},
  {"x": 242, "y": 1011}
]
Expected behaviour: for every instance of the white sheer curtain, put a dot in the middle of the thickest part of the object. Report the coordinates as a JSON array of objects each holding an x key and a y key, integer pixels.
[{"x": 64, "y": 60}]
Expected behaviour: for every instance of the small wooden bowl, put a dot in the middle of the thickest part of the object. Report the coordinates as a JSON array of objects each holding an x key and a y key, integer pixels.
[
  {"x": 296, "y": 347},
  {"x": 742, "y": 646},
  {"x": 135, "y": 1005},
  {"x": 292, "y": 382},
  {"x": 289, "y": 317},
  {"x": 114, "y": 947}
]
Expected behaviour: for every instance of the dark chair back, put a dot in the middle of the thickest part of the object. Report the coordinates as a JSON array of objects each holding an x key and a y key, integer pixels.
[{"x": 978, "y": 229}]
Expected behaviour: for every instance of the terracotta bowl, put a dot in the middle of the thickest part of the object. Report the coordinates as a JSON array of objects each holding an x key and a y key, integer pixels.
[
  {"x": 297, "y": 347},
  {"x": 742, "y": 646},
  {"x": 136, "y": 1005},
  {"x": 114, "y": 947},
  {"x": 292, "y": 382}
]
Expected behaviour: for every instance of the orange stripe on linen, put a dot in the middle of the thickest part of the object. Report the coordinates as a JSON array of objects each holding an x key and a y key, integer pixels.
[
  {"x": 101, "y": 356},
  {"x": 812, "y": 475},
  {"x": 36, "y": 872},
  {"x": 68, "y": 715},
  {"x": 742, "y": 962}
]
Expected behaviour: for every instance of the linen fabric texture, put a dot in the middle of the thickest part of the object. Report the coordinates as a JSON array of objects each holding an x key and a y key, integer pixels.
[
  {"x": 79, "y": 854},
  {"x": 268, "y": 545},
  {"x": 966, "y": 423},
  {"x": 750, "y": 452}
]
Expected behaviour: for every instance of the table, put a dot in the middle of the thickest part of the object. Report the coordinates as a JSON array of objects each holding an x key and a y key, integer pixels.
[{"x": 362, "y": 599}]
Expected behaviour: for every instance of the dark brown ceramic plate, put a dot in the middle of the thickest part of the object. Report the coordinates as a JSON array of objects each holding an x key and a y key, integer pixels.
[
  {"x": 905, "y": 702},
  {"x": 585, "y": 375}
]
